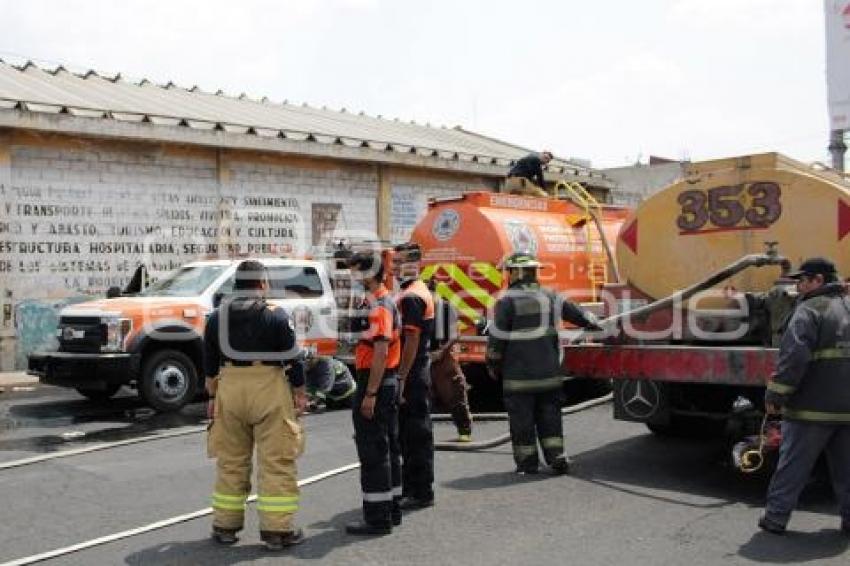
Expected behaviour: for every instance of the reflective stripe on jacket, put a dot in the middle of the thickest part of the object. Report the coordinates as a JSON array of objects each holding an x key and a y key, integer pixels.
[
  {"x": 812, "y": 381},
  {"x": 523, "y": 342}
]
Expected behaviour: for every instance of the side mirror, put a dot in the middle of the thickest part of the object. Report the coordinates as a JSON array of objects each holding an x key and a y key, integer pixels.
[
  {"x": 113, "y": 292},
  {"x": 217, "y": 299}
]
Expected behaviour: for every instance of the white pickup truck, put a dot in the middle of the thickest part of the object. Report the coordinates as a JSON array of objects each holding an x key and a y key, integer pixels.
[{"x": 153, "y": 340}]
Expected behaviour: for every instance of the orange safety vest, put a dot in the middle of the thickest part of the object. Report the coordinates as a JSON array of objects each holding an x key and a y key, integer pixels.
[{"x": 420, "y": 290}]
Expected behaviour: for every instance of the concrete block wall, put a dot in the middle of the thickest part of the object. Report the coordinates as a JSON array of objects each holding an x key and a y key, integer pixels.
[
  {"x": 410, "y": 194},
  {"x": 79, "y": 215},
  {"x": 81, "y": 219},
  {"x": 440, "y": 188},
  {"x": 354, "y": 188},
  {"x": 7, "y": 329}
]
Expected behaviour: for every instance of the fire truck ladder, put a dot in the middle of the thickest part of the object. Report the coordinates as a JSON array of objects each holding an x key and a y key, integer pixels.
[{"x": 596, "y": 244}]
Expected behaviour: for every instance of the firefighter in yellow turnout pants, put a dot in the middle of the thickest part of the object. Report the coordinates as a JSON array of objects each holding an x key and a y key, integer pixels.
[{"x": 246, "y": 343}]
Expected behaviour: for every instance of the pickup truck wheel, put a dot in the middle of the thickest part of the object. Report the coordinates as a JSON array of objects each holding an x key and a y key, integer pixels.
[
  {"x": 169, "y": 380},
  {"x": 99, "y": 395}
]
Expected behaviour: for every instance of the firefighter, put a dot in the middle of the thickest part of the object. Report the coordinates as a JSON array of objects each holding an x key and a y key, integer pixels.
[
  {"x": 375, "y": 407},
  {"x": 523, "y": 351},
  {"x": 810, "y": 390},
  {"x": 246, "y": 343},
  {"x": 329, "y": 383},
  {"x": 448, "y": 381},
  {"x": 415, "y": 427},
  {"x": 526, "y": 175}
]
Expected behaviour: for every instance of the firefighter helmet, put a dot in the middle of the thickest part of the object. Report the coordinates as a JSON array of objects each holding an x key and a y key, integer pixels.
[{"x": 519, "y": 260}]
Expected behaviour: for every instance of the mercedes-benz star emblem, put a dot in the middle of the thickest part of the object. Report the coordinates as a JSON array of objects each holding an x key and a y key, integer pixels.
[{"x": 639, "y": 398}]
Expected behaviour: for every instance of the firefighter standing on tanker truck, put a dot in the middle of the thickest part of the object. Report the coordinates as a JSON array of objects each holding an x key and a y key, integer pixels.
[
  {"x": 811, "y": 390},
  {"x": 526, "y": 175},
  {"x": 375, "y": 406},
  {"x": 523, "y": 350},
  {"x": 246, "y": 343}
]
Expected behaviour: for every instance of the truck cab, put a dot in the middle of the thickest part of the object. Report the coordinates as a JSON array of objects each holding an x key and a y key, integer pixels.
[{"x": 153, "y": 340}]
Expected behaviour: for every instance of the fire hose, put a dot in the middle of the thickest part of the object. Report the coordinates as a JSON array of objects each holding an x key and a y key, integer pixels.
[
  {"x": 769, "y": 257},
  {"x": 748, "y": 455},
  {"x": 505, "y": 438},
  {"x": 752, "y": 460}
]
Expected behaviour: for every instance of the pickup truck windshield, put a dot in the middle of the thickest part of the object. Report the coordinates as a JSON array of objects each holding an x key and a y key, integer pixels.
[
  {"x": 288, "y": 281},
  {"x": 188, "y": 281},
  {"x": 296, "y": 281}
]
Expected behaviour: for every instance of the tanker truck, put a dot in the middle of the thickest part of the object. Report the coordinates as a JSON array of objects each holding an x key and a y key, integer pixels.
[
  {"x": 694, "y": 324},
  {"x": 464, "y": 238}
]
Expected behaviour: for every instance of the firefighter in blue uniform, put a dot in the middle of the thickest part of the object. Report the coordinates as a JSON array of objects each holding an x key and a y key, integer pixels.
[
  {"x": 523, "y": 351},
  {"x": 416, "y": 305},
  {"x": 375, "y": 406},
  {"x": 811, "y": 390}
]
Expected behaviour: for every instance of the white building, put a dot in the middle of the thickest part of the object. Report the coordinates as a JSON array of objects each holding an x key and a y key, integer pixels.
[{"x": 98, "y": 174}]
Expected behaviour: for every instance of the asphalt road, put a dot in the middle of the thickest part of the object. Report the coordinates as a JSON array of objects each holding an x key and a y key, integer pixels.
[{"x": 631, "y": 499}]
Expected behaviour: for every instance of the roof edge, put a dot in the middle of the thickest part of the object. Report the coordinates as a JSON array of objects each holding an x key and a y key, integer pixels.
[{"x": 149, "y": 132}]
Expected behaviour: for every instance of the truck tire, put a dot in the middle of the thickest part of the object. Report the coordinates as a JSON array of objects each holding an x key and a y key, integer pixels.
[
  {"x": 99, "y": 395},
  {"x": 169, "y": 380}
]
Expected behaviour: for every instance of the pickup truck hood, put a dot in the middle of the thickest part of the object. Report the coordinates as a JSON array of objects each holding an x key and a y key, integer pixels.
[{"x": 135, "y": 306}]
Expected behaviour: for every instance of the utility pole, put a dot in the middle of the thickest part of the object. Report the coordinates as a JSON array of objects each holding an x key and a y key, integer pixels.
[
  {"x": 836, "y": 14},
  {"x": 837, "y": 148}
]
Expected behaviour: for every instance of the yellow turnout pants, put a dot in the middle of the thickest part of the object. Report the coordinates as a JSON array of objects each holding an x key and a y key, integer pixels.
[{"x": 254, "y": 407}]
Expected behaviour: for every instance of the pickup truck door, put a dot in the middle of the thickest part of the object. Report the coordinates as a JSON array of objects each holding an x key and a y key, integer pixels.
[{"x": 309, "y": 300}]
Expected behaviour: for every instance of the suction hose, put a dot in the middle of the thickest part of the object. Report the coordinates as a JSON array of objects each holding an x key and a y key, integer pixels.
[{"x": 770, "y": 257}]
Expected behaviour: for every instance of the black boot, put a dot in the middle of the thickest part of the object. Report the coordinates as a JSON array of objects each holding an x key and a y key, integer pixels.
[
  {"x": 771, "y": 526},
  {"x": 275, "y": 540},
  {"x": 367, "y": 529},
  {"x": 560, "y": 466},
  {"x": 527, "y": 468},
  {"x": 225, "y": 537},
  {"x": 409, "y": 503}
]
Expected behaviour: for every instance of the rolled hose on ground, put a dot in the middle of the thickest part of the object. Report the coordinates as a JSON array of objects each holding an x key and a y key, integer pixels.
[{"x": 505, "y": 438}]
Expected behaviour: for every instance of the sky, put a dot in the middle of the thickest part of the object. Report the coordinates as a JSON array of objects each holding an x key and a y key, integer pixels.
[{"x": 610, "y": 81}]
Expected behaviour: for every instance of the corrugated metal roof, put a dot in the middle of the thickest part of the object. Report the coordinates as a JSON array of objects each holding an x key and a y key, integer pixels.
[{"x": 32, "y": 88}]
